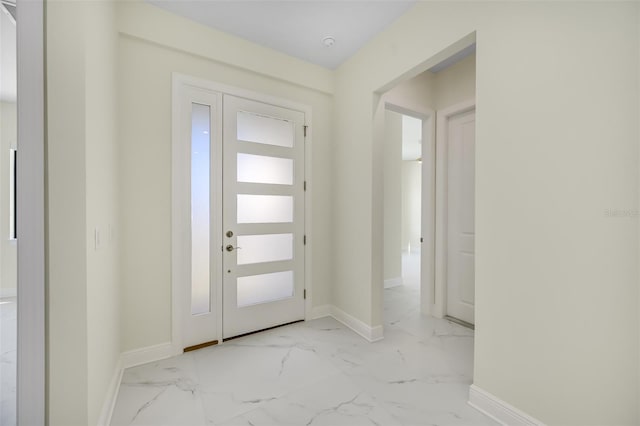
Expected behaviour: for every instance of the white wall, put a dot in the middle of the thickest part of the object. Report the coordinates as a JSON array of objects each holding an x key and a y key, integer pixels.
[
  {"x": 147, "y": 57},
  {"x": 393, "y": 197},
  {"x": 456, "y": 83},
  {"x": 83, "y": 287},
  {"x": 411, "y": 173},
  {"x": 66, "y": 215},
  {"x": 552, "y": 271},
  {"x": 103, "y": 290},
  {"x": 8, "y": 248}
]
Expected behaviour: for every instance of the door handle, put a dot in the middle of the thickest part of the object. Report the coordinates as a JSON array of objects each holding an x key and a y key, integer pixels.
[{"x": 231, "y": 248}]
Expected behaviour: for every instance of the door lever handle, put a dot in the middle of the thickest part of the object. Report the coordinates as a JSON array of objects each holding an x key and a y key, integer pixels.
[{"x": 232, "y": 248}]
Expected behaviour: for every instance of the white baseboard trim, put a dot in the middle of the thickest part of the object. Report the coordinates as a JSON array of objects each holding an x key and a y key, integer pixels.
[
  {"x": 126, "y": 360},
  {"x": 146, "y": 355},
  {"x": 112, "y": 395},
  {"x": 393, "y": 282},
  {"x": 320, "y": 312},
  {"x": 500, "y": 411},
  {"x": 372, "y": 334},
  {"x": 8, "y": 292}
]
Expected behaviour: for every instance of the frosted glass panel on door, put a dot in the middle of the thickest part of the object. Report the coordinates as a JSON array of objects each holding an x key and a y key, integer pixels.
[
  {"x": 264, "y": 248},
  {"x": 266, "y": 130},
  {"x": 200, "y": 205},
  {"x": 262, "y": 169},
  {"x": 264, "y": 288},
  {"x": 265, "y": 208}
]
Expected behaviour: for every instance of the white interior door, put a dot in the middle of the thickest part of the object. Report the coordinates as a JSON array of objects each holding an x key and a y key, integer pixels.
[
  {"x": 460, "y": 216},
  {"x": 263, "y": 216}
]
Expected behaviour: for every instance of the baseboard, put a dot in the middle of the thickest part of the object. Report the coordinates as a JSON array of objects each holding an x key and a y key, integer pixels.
[
  {"x": 145, "y": 355},
  {"x": 372, "y": 334},
  {"x": 130, "y": 359},
  {"x": 499, "y": 410},
  {"x": 393, "y": 282},
  {"x": 320, "y": 312},
  {"x": 112, "y": 395},
  {"x": 8, "y": 292}
]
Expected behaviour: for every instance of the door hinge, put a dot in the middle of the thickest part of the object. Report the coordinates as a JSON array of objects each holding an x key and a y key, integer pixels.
[
  {"x": 305, "y": 185},
  {"x": 305, "y": 130},
  {"x": 304, "y": 240},
  {"x": 304, "y": 293}
]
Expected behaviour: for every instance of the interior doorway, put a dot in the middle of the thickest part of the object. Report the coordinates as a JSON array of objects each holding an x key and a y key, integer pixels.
[
  {"x": 442, "y": 99},
  {"x": 239, "y": 213},
  {"x": 402, "y": 207}
]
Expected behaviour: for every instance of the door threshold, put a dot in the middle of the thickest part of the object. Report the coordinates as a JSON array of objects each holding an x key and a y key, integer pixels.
[
  {"x": 460, "y": 322},
  {"x": 200, "y": 346},
  {"x": 260, "y": 331}
]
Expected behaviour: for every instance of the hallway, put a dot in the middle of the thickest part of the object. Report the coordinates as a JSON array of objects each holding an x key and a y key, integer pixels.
[{"x": 317, "y": 372}]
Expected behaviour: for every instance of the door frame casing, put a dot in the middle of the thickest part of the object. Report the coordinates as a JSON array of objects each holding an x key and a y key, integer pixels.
[
  {"x": 179, "y": 261},
  {"x": 440, "y": 206}
]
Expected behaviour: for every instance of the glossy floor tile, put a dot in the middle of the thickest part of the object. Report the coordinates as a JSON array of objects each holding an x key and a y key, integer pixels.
[{"x": 315, "y": 373}]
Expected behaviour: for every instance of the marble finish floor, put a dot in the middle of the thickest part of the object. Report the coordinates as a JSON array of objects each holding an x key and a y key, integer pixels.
[
  {"x": 8, "y": 345},
  {"x": 314, "y": 373}
]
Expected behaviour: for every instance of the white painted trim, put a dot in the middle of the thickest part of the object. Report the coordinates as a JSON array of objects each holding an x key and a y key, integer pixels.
[
  {"x": 372, "y": 334},
  {"x": 31, "y": 373},
  {"x": 376, "y": 333},
  {"x": 427, "y": 225},
  {"x": 130, "y": 359},
  {"x": 420, "y": 115},
  {"x": 179, "y": 83},
  {"x": 112, "y": 395},
  {"x": 393, "y": 282},
  {"x": 146, "y": 355},
  {"x": 500, "y": 411},
  {"x": 200, "y": 83},
  {"x": 441, "y": 182},
  {"x": 308, "y": 213},
  {"x": 319, "y": 312},
  {"x": 8, "y": 292}
]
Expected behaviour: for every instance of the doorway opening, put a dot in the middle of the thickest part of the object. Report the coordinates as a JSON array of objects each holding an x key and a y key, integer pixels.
[
  {"x": 402, "y": 209},
  {"x": 429, "y": 193}
]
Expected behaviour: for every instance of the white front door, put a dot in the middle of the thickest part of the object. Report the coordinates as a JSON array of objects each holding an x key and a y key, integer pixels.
[
  {"x": 263, "y": 216},
  {"x": 238, "y": 215},
  {"x": 460, "y": 216}
]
